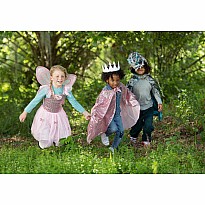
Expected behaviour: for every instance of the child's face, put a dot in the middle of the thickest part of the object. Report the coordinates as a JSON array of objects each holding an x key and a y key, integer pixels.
[
  {"x": 58, "y": 78},
  {"x": 114, "y": 81},
  {"x": 140, "y": 71}
]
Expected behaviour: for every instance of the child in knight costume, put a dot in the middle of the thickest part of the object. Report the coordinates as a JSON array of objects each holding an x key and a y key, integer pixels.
[
  {"x": 146, "y": 90},
  {"x": 51, "y": 123},
  {"x": 115, "y": 110}
]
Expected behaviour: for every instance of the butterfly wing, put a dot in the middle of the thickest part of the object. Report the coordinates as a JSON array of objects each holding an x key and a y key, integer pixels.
[
  {"x": 43, "y": 75},
  {"x": 70, "y": 80}
]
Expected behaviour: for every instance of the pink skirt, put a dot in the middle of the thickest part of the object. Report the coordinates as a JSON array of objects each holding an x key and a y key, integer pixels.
[{"x": 49, "y": 128}]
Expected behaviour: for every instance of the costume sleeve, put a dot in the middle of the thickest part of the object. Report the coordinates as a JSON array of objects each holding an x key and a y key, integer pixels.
[
  {"x": 130, "y": 84},
  {"x": 39, "y": 96},
  {"x": 75, "y": 104},
  {"x": 155, "y": 91}
]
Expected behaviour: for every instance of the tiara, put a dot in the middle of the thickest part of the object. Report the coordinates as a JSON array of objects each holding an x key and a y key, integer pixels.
[{"x": 111, "y": 67}]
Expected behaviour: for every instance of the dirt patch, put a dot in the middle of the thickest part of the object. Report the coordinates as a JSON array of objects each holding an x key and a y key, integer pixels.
[{"x": 16, "y": 141}]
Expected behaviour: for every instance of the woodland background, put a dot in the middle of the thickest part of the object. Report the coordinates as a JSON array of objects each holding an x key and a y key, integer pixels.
[{"x": 177, "y": 60}]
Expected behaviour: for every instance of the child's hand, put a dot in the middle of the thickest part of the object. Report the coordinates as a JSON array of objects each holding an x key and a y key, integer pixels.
[
  {"x": 159, "y": 107},
  {"x": 22, "y": 117},
  {"x": 87, "y": 115}
]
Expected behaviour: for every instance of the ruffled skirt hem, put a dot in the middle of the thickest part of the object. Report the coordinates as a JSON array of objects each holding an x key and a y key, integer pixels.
[{"x": 49, "y": 128}]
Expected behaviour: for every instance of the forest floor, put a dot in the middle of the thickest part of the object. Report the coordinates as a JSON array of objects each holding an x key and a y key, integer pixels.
[{"x": 165, "y": 129}]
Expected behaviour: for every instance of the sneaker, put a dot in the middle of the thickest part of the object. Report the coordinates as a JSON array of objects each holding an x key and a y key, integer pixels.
[
  {"x": 133, "y": 140},
  {"x": 111, "y": 149},
  {"x": 105, "y": 139},
  {"x": 146, "y": 143}
]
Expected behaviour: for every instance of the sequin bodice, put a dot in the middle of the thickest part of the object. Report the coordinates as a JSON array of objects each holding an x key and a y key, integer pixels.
[{"x": 54, "y": 103}]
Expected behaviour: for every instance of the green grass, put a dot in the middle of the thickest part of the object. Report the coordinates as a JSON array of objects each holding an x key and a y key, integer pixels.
[
  {"x": 75, "y": 157},
  {"x": 177, "y": 148}
]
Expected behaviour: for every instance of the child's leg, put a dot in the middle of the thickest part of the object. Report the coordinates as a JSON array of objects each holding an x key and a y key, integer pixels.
[
  {"x": 119, "y": 132},
  {"x": 148, "y": 125},
  {"x": 111, "y": 129},
  {"x": 105, "y": 139},
  {"x": 137, "y": 128},
  {"x": 45, "y": 144}
]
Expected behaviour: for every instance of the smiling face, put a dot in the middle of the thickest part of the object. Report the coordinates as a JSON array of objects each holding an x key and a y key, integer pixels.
[
  {"x": 58, "y": 78},
  {"x": 114, "y": 81},
  {"x": 140, "y": 71}
]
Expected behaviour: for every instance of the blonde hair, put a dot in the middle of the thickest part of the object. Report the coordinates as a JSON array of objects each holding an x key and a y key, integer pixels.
[
  {"x": 58, "y": 67},
  {"x": 54, "y": 68}
]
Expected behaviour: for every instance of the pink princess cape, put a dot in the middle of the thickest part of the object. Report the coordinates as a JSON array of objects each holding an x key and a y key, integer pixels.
[{"x": 104, "y": 109}]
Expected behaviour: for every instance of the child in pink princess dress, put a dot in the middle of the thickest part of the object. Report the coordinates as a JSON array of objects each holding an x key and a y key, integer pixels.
[
  {"x": 51, "y": 123},
  {"x": 116, "y": 108}
]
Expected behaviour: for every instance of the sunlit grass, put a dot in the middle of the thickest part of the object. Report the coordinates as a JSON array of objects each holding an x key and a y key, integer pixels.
[
  {"x": 72, "y": 158},
  {"x": 177, "y": 146}
]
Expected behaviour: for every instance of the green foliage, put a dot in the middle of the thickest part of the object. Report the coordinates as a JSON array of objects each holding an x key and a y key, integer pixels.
[
  {"x": 72, "y": 158},
  {"x": 174, "y": 157},
  {"x": 175, "y": 57},
  {"x": 189, "y": 109}
]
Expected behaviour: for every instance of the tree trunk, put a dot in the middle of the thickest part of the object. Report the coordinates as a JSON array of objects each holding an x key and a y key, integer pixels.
[{"x": 44, "y": 41}]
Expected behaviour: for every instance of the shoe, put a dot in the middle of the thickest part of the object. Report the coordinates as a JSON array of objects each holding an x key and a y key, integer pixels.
[
  {"x": 111, "y": 149},
  {"x": 146, "y": 143},
  {"x": 56, "y": 144},
  {"x": 133, "y": 140},
  {"x": 105, "y": 139}
]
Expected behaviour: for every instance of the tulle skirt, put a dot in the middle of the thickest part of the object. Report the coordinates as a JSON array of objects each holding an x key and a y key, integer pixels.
[{"x": 49, "y": 128}]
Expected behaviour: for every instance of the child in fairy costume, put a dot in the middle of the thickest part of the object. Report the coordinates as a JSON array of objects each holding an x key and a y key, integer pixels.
[
  {"x": 146, "y": 90},
  {"x": 51, "y": 123},
  {"x": 115, "y": 110}
]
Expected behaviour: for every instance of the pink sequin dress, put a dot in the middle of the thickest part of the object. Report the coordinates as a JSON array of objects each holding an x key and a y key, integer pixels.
[{"x": 51, "y": 123}]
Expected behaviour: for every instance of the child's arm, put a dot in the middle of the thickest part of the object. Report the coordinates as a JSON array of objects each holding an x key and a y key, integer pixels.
[
  {"x": 160, "y": 107},
  {"x": 130, "y": 84},
  {"x": 39, "y": 96},
  {"x": 75, "y": 104},
  {"x": 87, "y": 115},
  {"x": 156, "y": 93},
  {"x": 22, "y": 117},
  {"x": 158, "y": 98}
]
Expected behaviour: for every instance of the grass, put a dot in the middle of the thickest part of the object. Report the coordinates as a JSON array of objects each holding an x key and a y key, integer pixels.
[
  {"x": 176, "y": 149},
  {"x": 171, "y": 156}
]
